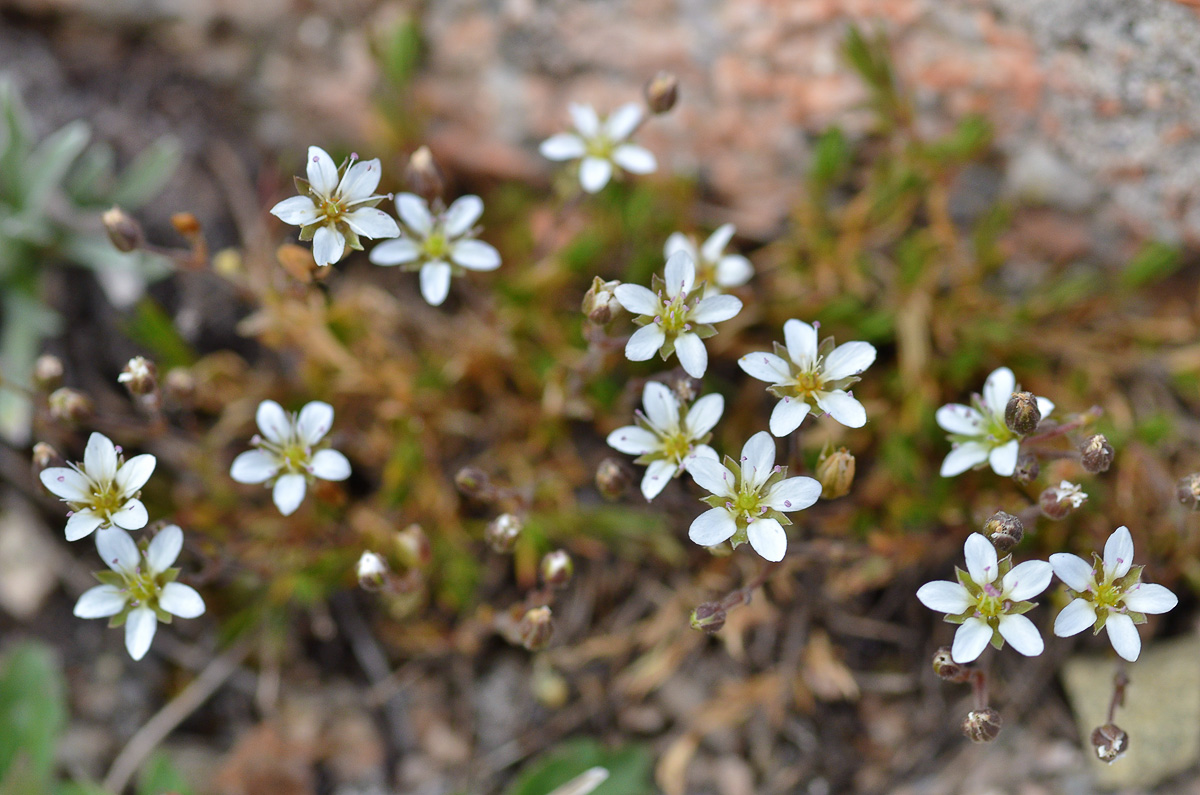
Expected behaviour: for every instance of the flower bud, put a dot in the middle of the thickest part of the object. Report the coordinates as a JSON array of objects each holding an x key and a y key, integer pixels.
[
  {"x": 186, "y": 224},
  {"x": 835, "y": 471},
  {"x": 47, "y": 372},
  {"x": 982, "y": 725},
  {"x": 1057, "y": 502},
  {"x": 557, "y": 569},
  {"x": 612, "y": 479},
  {"x": 1096, "y": 453},
  {"x": 536, "y": 628},
  {"x": 180, "y": 385},
  {"x": 685, "y": 388},
  {"x": 412, "y": 547},
  {"x": 473, "y": 482},
  {"x": 1110, "y": 742},
  {"x": 68, "y": 405},
  {"x": 1004, "y": 530},
  {"x": 662, "y": 92},
  {"x": 502, "y": 532},
  {"x": 600, "y": 302},
  {"x": 945, "y": 667},
  {"x": 1022, "y": 414},
  {"x": 1027, "y": 469},
  {"x": 44, "y": 457},
  {"x": 423, "y": 175},
  {"x": 372, "y": 571},
  {"x": 124, "y": 232},
  {"x": 140, "y": 376},
  {"x": 1187, "y": 491},
  {"x": 709, "y": 617}
]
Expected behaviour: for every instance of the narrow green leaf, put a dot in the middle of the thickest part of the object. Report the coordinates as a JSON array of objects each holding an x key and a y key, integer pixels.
[
  {"x": 50, "y": 162},
  {"x": 33, "y": 709},
  {"x": 147, "y": 174},
  {"x": 628, "y": 769}
]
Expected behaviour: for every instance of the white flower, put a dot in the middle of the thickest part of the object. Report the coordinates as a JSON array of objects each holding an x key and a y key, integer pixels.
[
  {"x": 989, "y": 601},
  {"x": 979, "y": 433},
  {"x": 805, "y": 376},
  {"x": 665, "y": 441},
  {"x": 750, "y": 498},
  {"x": 674, "y": 318},
  {"x": 335, "y": 212},
  {"x": 713, "y": 266},
  {"x": 1070, "y": 492},
  {"x": 601, "y": 145},
  {"x": 439, "y": 245},
  {"x": 103, "y": 490},
  {"x": 285, "y": 453},
  {"x": 140, "y": 590},
  {"x": 1109, "y": 594}
]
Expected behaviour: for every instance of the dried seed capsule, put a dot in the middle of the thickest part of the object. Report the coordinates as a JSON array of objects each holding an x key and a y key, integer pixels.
[
  {"x": 557, "y": 569},
  {"x": 945, "y": 667},
  {"x": 612, "y": 479},
  {"x": 1188, "y": 491},
  {"x": 1057, "y": 502},
  {"x": 536, "y": 628},
  {"x": 1027, "y": 469},
  {"x": 1022, "y": 414},
  {"x": 473, "y": 482},
  {"x": 413, "y": 548},
  {"x": 140, "y": 376},
  {"x": 47, "y": 372},
  {"x": 372, "y": 571},
  {"x": 600, "y": 301},
  {"x": 709, "y": 617},
  {"x": 982, "y": 725},
  {"x": 124, "y": 232},
  {"x": 835, "y": 471},
  {"x": 1110, "y": 742},
  {"x": 68, "y": 405},
  {"x": 1004, "y": 530},
  {"x": 502, "y": 532},
  {"x": 423, "y": 175},
  {"x": 1096, "y": 453},
  {"x": 662, "y": 92}
]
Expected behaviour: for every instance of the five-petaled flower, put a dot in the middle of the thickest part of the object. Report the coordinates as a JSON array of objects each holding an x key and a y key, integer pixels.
[
  {"x": 140, "y": 590},
  {"x": 103, "y": 490},
  {"x": 601, "y": 145},
  {"x": 333, "y": 212},
  {"x": 714, "y": 267},
  {"x": 438, "y": 244},
  {"x": 285, "y": 454},
  {"x": 1109, "y": 594},
  {"x": 978, "y": 432},
  {"x": 989, "y": 601},
  {"x": 750, "y": 499},
  {"x": 807, "y": 376},
  {"x": 674, "y": 317},
  {"x": 666, "y": 439}
]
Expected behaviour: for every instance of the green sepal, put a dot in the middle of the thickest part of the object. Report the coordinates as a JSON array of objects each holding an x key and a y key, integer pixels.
[
  {"x": 953, "y": 618},
  {"x": 642, "y": 320},
  {"x": 714, "y": 501},
  {"x": 110, "y": 578},
  {"x": 704, "y": 330},
  {"x": 1020, "y": 608},
  {"x": 162, "y": 615},
  {"x": 170, "y": 575},
  {"x": 304, "y": 187},
  {"x": 997, "y": 638},
  {"x": 1132, "y": 578},
  {"x": 1101, "y": 619},
  {"x": 1138, "y": 618},
  {"x": 307, "y": 232},
  {"x": 119, "y": 619},
  {"x": 351, "y": 237},
  {"x": 964, "y": 579}
]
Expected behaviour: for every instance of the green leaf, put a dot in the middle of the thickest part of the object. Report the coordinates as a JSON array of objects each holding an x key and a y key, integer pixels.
[
  {"x": 91, "y": 179},
  {"x": 628, "y": 767},
  {"x": 147, "y": 174},
  {"x": 80, "y": 788},
  {"x": 33, "y": 709},
  {"x": 400, "y": 53},
  {"x": 160, "y": 775},
  {"x": 152, "y": 327},
  {"x": 1155, "y": 262},
  {"x": 51, "y": 161}
]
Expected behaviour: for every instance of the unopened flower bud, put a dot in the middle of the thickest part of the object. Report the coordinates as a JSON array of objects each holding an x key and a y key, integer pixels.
[
  {"x": 1004, "y": 530},
  {"x": 557, "y": 569},
  {"x": 47, "y": 372},
  {"x": 412, "y": 547},
  {"x": 473, "y": 482},
  {"x": 945, "y": 667},
  {"x": 600, "y": 302},
  {"x": 835, "y": 471},
  {"x": 68, "y": 405},
  {"x": 140, "y": 376},
  {"x": 372, "y": 571},
  {"x": 1096, "y": 453},
  {"x": 124, "y": 232},
  {"x": 1110, "y": 742},
  {"x": 186, "y": 224},
  {"x": 1188, "y": 491},
  {"x": 612, "y": 479},
  {"x": 423, "y": 176},
  {"x": 180, "y": 385},
  {"x": 685, "y": 388},
  {"x": 709, "y": 617},
  {"x": 536, "y": 628},
  {"x": 1022, "y": 414},
  {"x": 44, "y": 456},
  {"x": 1027, "y": 469},
  {"x": 1057, "y": 502},
  {"x": 982, "y": 725},
  {"x": 502, "y": 532},
  {"x": 662, "y": 92}
]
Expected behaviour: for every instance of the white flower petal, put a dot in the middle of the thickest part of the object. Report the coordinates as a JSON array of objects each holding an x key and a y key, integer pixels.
[
  {"x": 712, "y": 476},
  {"x": 768, "y": 539},
  {"x": 289, "y": 493},
  {"x": 134, "y": 473},
  {"x": 360, "y": 181},
  {"x": 435, "y": 282},
  {"x": 1123, "y": 636},
  {"x": 82, "y": 524},
  {"x": 101, "y": 601},
  {"x": 944, "y": 597},
  {"x": 564, "y": 146},
  {"x": 1022, "y": 634},
  {"x": 960, "y": 419},
  {"x": 637, "y": 299},
  {"x": 462, "y": 215},
  {"x": 693, "y": 356},
  {"x": 787, "y": 416},
  {"x": 843, "y": 407},
  {"x": 314, "y": 421},
  {"x": 801, "y": 341},
  {"x": 1075, "y": 618},
  {"x": 963, "y": 457},
  {"x": 594, "y": 173},
  {"x": 704, "y": 414},
  {"x": 1026, "y": 580},
  {"x": 1044, "y": 407},
  {"x": 679, "y": 242},
  {"x": 475, "y": 255},
  {"x": 998, "y": 389},
  {"x": 847, "y": 359},
  {"x": 371, "y": 222},
  {"x": 644, "y": 343},
  {"x": 273, "y": 422},
  {"x": 621, "y": 123},
  {"x": 982, "y": 564},
  {"x": 716, "y": 308},
  {"x": 164, "y": 549},
  {"x": 758, "y": 459},
  {"x": 1073, "y": 570},
  {"x": 635, "y": 159},
  {"x": 679, "y": 273},
  {"x": 658, "y": 474},
  {"x": 330, "y": 465},
  {"x": 66, "y": 484},
  {"x": 297, "y": 211},
  {"x": 131, "y": 516},
  {"x": 181, "y": 600},
  {"x": 792, "y": 494},
  {"x": 584, "y": 118},
  {"x": 1149, "y": 598},
  {"x": 328, "y": 245},
  {"x": 117, "y": 550},
  {"x": 140, "y": 627},
  {"x": 633, "y": 440},
  {"x": 662, "y": 407},
  {"x": 716, "y": 243},
  {"x": 733, "y": 270},
  {"x": 322, "y": 171},
  {"x": 414, "y": 212},
  {"x": 766, "y": 367},
  {"x": 100, "y": 458},
  {"x": 1118, "y": 553},
  {"x": 254, "y": 466},
  {"x": 395, "y": 252},
  {"x": 1004, "y": 458},
  {"x": 714, "y": 526},
  {"x": 700, "y": 451},
  {"x": 970, "y": 640}
]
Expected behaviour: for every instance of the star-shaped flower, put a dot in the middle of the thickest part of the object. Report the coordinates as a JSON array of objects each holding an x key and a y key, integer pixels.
[
  {"x": 103, "y": 490},
  {"x": 1109, "y": 594},
  {"x": 989, "y": 601},
  {"x": 140, "y": 590},
  {"x": 599, "y": 146},
  {"x": 978, "y": 432},
  {"x": 665, "y": 439},
  {"x": 333, "y": 212},
  {"x": 674, "y": 317},
  {"x": 438, "y": 244},
  {"x": 714, "y": 267},
  {"x": 285, "y": 458},
  {"x": 749, "y": 499}
]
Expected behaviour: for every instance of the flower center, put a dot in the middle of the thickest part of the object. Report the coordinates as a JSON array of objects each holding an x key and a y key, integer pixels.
[
  {"x": 436, "y": 245},
  {"x": 142, "y": 587},
  {"x": 106, "y": 499},
  {"x": 747, "y": 503},
  {"x": 599, "y": 147},
  {"x": 332, "y": 209},
  {"x": 674, "y": 317},
  {"x": 1108, "y": 596},
  {"x": 676, "y": 446},
  {"x": 805, "y": 383}
]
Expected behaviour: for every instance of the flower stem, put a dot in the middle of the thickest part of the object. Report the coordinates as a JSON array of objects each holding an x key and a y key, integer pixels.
[
  {"x": 1084, "y": 419},
  {"x": 1120, "y": 682}
]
